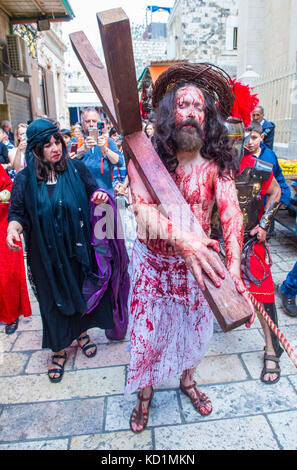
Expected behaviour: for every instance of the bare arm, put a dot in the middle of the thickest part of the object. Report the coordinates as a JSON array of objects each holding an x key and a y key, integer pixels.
[
  {"x": 113, "y": 157},
  {"x": 18, "y": 163},
  {"x": 273, "y": 196},
  {"x": 232, "y": 222}
]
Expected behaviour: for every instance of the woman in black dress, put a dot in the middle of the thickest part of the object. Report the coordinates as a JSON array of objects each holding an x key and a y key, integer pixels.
[{"x": 50, "y": 204}]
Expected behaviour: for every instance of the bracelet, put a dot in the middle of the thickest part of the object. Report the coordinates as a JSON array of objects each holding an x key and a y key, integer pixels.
[{"x": 269, "y": 214}]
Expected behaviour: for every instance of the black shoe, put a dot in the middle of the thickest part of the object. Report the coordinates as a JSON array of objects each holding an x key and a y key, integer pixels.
[
  {"x": 9, "y": 329},
  {"x": 289, "y": 304}
]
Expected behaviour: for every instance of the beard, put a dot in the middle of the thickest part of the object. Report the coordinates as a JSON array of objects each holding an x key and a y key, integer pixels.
[{"x": 189, "y": 139}]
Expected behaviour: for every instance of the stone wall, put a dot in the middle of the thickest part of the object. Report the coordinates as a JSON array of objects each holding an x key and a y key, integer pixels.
[
  {"x": 267, "y": 34},
  {"x": 200, "y": 30},
  {"x": 50, "y": 53},
  {"x": 147, "y": 50}
]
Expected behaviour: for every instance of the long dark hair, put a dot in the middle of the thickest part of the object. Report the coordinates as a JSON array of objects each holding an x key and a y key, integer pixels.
[
  {"x": 42, "y": 166},
  {"x": 217, "y": 146}
]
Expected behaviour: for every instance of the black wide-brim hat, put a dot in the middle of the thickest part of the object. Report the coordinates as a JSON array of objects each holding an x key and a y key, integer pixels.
[{"x": 207, "y": 77}]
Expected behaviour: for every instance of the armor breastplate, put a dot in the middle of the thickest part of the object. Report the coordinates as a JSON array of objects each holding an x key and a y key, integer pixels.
[{"x": 248, "y": 185}]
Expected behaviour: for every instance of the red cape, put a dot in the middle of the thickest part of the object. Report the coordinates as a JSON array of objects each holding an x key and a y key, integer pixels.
[{"x": 14, "y": 298}]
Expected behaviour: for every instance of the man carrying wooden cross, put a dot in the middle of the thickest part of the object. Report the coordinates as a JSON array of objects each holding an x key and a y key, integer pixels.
[{"x": 170, "y": 321}]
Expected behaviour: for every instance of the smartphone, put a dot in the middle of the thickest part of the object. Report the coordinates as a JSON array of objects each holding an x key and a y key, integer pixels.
[
  {"x": 73, "y": 147},
  {"x": 93, "y": 132},
  {"x": 100, "y": 126}
]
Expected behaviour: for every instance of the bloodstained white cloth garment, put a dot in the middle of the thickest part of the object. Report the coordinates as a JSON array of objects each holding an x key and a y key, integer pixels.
[{"x": 170, "y": 322}]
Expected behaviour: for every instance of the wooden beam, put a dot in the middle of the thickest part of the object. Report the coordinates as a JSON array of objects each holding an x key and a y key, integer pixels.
[
  {"x": 117, "y": 45},
  {"x": 95, "y": 72}
]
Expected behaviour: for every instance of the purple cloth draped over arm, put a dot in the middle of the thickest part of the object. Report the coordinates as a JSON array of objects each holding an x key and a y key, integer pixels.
[{"x": 112, "y": 259}]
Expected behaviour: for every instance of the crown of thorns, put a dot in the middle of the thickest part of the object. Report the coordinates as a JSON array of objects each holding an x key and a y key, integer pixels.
[{"x": 208, "y": 77}]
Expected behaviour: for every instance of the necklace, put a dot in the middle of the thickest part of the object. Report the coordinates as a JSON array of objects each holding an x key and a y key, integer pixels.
[{"x": 52, "y": 177}]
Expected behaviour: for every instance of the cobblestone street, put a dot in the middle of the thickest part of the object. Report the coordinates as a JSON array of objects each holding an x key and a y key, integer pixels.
[{"x": 88, "y": 410}]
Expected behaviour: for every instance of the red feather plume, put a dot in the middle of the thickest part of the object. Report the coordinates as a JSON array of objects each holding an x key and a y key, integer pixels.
[{"x": 245, "y": 102}]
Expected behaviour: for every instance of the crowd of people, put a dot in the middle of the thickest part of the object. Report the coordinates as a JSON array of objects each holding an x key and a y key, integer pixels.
[{"x": 61, "y": 188}]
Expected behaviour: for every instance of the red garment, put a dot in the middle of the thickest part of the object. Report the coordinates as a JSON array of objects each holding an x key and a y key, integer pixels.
[
  {"x": 259, "y": 267},
  {"x": 14, "y": 298}
]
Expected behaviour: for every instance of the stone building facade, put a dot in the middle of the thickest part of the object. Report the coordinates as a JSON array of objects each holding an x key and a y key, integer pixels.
[
  {"x": 268, "y": 47},
  {"x": 43, "y": 91},
  {"x": 50, "y": 64},
  {"x": 267, "y": 34},
  {"x": 147, "y": 50},
  {"x": 205, "y": 31},
  {"x": 14, "y": 92}
]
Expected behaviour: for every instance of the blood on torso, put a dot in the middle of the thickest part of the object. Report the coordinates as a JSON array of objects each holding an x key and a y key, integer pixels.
[{"x": 196, "y": 183}]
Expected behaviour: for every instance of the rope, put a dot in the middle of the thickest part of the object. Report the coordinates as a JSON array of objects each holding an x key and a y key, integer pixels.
[{"x": 280, "y": 336}]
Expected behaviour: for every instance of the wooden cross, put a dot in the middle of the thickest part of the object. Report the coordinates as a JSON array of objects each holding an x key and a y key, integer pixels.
[{"x": 117, "y": 89}]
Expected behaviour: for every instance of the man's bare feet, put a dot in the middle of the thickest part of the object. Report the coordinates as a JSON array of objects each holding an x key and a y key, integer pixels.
[{"x": 189, "y": 387}]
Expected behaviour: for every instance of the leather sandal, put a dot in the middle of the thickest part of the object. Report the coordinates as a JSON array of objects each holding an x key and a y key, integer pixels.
[
  {"x": 265, "y": 370},
  {"x": 87, "y": 345},
  {"x": 60, "y": 369},
  {"x": 201, "y": 401},
  {"x": 138, "y": 416}
]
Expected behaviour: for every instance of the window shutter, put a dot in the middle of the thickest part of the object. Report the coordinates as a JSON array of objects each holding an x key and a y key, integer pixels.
[
  {"x": 36, "y": 99},
  {"x": 50, "y": 94}
]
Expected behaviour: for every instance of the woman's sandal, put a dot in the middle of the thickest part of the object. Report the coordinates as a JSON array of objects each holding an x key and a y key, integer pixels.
[
  {"x": 87, "y": 345},
  {"x": 201, "y": 400},
  {"x": 139, "y": 417},
  {"x": 265, "y": 370},
  {"x": 60, "y": 370}
]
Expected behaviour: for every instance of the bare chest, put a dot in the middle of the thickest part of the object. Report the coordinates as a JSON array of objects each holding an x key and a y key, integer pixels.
[{"x": 196, "y": 183}]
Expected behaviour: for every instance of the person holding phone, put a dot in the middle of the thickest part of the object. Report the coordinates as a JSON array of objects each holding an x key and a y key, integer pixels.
[
  {"x": 99, "y": 153},
  {"x": 20, "y": 141}
]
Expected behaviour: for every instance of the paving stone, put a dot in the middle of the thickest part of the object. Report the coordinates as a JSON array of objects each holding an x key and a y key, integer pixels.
[
  {"x": 51, "y": 420},
  {"x": 12, "y": 364},
  {"x": 77, "y": 384},
  {"x": 284, "y": 319},
  {"x": 97, "y": 336},
  {"x": 276, "y": 269},
  {"x": 110, "y": 354},
  {"x": 243, "y": 399},
  {"x": 252, "y": 433},
  {"x": 59, "y": 444},
  {"x": 293, "y": 380},
  {"x": 220, "y": 369},
  {"x": 113, "y": 441},
  {"x": 288, "y": 264},
  {"x": 254, "y": 364},
  {"x": 40, "y": 361},
  {"x": 28, "y": 341},
  {"x": 6, "y": 342},
  {"x": 164, "y": 410},
  {"x": 212, "y": 369},
  {"x": 30, "y": 323},
  {"x": 285, "y": 428},
  {"x": 235, "y": 341}
]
